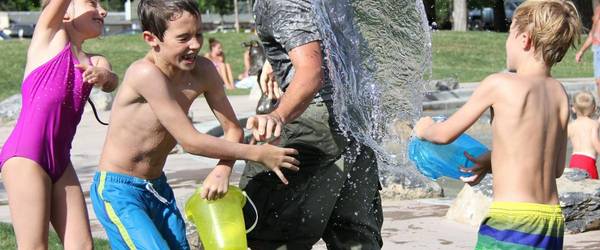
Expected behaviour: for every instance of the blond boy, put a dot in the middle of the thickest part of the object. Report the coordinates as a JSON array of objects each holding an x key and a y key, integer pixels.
[
  {"x": 529, "y": 130},
  {"x": 583, "y": 133}
]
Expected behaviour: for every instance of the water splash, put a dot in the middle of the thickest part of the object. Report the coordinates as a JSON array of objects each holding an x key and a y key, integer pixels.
[{"x": 379, "y": 54}]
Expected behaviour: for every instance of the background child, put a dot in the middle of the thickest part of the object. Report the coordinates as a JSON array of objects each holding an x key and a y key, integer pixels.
[
  {"x": 593, "y": 40},
  {"x": 217, "y": 57},
  {"x": 130, "y": 193},
  {"x": 37, "y": 172},
  {"x": 529, "y": 129},
  {"x": 583, "y": 133}
]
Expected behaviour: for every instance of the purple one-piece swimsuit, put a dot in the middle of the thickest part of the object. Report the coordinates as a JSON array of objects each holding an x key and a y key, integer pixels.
[{"x": 54, "y": 96}]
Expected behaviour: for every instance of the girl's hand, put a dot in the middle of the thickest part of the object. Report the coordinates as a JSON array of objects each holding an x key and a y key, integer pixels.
[{"x": 94, "y": 75}]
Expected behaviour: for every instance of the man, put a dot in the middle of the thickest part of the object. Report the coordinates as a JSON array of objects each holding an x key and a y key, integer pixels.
[{"x": 335, "y": 195}]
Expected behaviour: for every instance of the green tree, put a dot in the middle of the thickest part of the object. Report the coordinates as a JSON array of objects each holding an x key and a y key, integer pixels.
[
  {"x": 113, "y": 5},
  {"x": 19, "y": 5},
  {"x": 443, "y": 10},
  {"x": 220, "y": 7},
  {"x": 29, "y": 5}
]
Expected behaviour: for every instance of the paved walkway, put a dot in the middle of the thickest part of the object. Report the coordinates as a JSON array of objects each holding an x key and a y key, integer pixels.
[{"x": 415, "y": 224}]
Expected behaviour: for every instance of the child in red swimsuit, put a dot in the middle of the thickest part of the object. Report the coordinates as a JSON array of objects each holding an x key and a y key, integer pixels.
[{"x": 583, "y": 133}]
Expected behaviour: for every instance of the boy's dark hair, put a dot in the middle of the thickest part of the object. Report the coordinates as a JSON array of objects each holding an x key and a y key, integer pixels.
[{"x": 155, "y": 14}]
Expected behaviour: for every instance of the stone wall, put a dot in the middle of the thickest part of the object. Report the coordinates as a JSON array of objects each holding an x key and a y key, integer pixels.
[{"x": 579, "y": 200}]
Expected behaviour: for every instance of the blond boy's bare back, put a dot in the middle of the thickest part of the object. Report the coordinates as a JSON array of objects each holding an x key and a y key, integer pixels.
[
  {"x": 529, "y": 130},
  {"x": 529, "y": 134},
  {"x": 530, "y": 127},
  {"x": 137, "y": 143}
]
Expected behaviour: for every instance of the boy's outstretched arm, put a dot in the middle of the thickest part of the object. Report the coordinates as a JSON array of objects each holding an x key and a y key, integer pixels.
[
  {"x": 152, "y": 85},
  {"x": 447, "y": 131},
  {"x": 216, "y": 183}
]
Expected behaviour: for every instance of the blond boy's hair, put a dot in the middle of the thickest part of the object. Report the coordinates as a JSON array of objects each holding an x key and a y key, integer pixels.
[
  {"x": 584, "y": 103},
  {"x": 554, "y": 26}
]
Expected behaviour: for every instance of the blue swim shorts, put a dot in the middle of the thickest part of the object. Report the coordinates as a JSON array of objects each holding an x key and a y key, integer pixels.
[{"x": 137, "y": 213}]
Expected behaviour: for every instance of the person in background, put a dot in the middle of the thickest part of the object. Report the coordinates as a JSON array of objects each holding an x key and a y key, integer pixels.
[{"x": 217, "y": 56}]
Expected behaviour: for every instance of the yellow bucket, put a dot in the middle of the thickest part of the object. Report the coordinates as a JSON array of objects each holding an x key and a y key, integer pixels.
[{"x": 220, "y": 223}]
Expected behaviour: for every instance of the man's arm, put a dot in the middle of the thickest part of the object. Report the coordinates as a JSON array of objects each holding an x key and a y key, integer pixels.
[
  {"x": 447, "y": 131},
  {"x": 307, "y": 81}
]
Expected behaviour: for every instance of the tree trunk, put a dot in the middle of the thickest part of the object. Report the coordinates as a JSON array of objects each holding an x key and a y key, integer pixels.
[
  {"x": 586, "y": 11},
  {"x": 430, "y": 10},
  {"x": 459, "y": 15},
  {"x": 500, "y": 22},
  {"x": 237, "y": 16}
]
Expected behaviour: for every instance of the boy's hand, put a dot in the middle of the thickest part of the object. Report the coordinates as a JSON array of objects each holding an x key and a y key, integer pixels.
[
  {"x": 422, "y": 126},
  {"x": 265, "y": 127},
  {"x": 482, "y": 167},
  {"x": 578, "y": 56},
  {"x": 94, "y": 75},
  {"x": 216, "y": 183},
  {"x": 275, "y": 158}
]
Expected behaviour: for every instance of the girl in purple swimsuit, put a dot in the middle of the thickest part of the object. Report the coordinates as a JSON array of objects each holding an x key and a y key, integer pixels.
[{"x": 35, "y": 161}]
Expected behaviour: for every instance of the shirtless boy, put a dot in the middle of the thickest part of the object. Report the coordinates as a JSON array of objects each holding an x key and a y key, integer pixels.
[
  {"x": 583, "y": 133},
  {"x": 529, "y": 130},
  {"x": 130, "y": 193}
]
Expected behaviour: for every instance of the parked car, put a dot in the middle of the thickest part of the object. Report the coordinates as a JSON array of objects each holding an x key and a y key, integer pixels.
[
  {"x": 20, "y": 30},
  {"x": 483, "y": 19},
  {"x": 3, "y": 36},
  {"x": 510, "y": 6}
]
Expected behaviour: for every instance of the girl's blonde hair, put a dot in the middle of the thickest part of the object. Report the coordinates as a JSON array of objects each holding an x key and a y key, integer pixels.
[{"x": 554, "y": 26}]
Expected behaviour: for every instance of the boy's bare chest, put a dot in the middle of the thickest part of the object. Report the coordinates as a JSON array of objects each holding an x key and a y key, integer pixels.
[{"x": 185, "y": 96}]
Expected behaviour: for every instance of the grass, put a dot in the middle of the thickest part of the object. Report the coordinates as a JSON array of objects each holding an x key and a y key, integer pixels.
[
  {"x": 8, "y": 241},
  {"x": 121, "y": 52},
  {"x": 466, "y": 56},
  {"x": 471, "y": 56}
]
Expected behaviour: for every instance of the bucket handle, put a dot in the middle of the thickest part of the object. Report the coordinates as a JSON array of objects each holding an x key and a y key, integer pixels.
[{"x": 255, "y": 212}]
